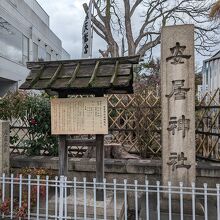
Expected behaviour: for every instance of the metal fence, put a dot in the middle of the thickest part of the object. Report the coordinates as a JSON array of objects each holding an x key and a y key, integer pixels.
[
  {"x": 135, "y": 123},
  {"x": 59, "y": 198}
]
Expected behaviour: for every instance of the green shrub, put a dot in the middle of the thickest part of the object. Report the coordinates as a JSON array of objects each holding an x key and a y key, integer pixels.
[{"x": 34, "y": 112}]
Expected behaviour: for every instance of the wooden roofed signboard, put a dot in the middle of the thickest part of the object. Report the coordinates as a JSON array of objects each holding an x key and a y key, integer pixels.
[
  {"x": 81, "y": 116},
  {"x": 85, "y": 76}
]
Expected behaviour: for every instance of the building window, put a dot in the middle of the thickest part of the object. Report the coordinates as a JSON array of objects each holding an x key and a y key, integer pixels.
[
  {"x": 53, "y": 56},
  {"x": 58, "y": 57},
  {"x": 41, "y": 54},
  {"x": 10, "y": 42},
  {"x": 207, "y": 73},
  {"x": 35, "y": 52},
  {"x": 25, "y": 50},
  {"x": 48, "y": 57}
]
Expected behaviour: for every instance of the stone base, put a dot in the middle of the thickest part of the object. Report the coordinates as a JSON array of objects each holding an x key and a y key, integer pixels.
[
  {"x": 176, "y": 215},
  {"x": 90, "y": 206},
  {"x": 187, "y": 207},
  {"x": 165, "y": 216}
]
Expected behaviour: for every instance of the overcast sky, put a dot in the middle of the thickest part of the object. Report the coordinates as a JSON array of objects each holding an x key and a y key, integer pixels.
[{"x": 66, "y": 20}]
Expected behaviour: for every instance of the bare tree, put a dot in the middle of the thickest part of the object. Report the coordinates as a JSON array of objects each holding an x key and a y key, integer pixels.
[
  {"x": 138, "y": 23},
  {"x": 215, "y": 11}
]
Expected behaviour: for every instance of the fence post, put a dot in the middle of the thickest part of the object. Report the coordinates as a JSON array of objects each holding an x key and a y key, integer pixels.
[
  {"x": 61, "y": 202},
  {"x": 4, "y": 147},
  {"x": 4, "y": 155}
]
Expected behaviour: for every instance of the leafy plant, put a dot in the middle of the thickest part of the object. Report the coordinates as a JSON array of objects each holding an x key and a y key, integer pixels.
[
  {"x": 21, "y": 212},
  {"x": 34, "y": 112}
]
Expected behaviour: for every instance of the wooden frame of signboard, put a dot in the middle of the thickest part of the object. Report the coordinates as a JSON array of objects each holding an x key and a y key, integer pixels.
[
  {"x": 63, "y": 153},
  {"x": 79, "y": 77}
]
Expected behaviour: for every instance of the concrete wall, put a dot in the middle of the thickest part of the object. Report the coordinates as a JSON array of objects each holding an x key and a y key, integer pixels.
[
  {"x": 35, "y": 6},
  {"x": 35, "y": 26},
  {"x": 25, "y": 19},
  {"x": 12, "y": 71},
  {"x": 206, "y": 172},
  {"x": 7, "y": 85},
  {"x": 65, "y": 55}
]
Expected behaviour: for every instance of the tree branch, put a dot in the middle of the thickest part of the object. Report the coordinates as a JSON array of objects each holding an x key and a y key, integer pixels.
[
  {"x": 129, "y": 34},
  {"x": 100, "y": 34},
  {"x": 148, "y": 46},
  {"x": 98, "y": 11},
  {"x": 97, "y": 23},
  {"x": 113, "y": 21},
  {"x": 138, "y": 2}
]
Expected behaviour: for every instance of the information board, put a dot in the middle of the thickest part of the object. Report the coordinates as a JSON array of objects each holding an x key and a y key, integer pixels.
[{"x": 79, "y": 116}]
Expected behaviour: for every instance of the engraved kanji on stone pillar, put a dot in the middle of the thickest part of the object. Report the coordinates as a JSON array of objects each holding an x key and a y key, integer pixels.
[
  {"x": 177, "y": 90},
  {"x": 178, "y": 104},
  {"x": 178, "y": 161},
  {"x": 172, "y": 125},
  {"x": 181, "y": 124},
  {"x": 178, "y": 55}
]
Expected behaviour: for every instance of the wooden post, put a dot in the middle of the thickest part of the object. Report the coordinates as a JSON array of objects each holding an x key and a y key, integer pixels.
[
  {"x": 63, "y": 150},
  {"x": 99, "y": 164},
  {"x": 63, "y": 156},
  {"x": 4, "y": 147},
  {"x": 99, "y": 161},
  {"x": 5, "y": 152}
]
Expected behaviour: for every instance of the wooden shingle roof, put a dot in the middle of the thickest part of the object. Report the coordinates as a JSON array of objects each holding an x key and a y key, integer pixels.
[{"x": 85, "y": 76}]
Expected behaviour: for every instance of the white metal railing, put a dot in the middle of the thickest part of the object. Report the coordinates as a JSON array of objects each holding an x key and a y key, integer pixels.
[{"x": 60, "y": 198}]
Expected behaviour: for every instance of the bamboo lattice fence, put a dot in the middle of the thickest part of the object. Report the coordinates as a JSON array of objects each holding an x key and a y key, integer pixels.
[
  {"x": 207, "y": 126},
  {"x": 135, "y": 122}
]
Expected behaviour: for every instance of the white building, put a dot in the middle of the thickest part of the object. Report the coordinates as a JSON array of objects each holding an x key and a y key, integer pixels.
[
  {"x": 211, "y": 74},
  {"x": 25, "y": 35}
]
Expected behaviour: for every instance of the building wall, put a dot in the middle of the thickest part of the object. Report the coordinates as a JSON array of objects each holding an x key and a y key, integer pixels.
[
  {"x": 65, "y": 55},
  {"x": 6, "y": 85},
  {"x": 25, "y": 36},
  {"x": 211, "y": 74},
  {"x": 35, "y": 6}
]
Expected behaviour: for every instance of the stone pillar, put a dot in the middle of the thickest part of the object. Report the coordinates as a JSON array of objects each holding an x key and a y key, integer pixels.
[
  {"x": 4, "y": 147},
  {"x": 178, "y": 104}
]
